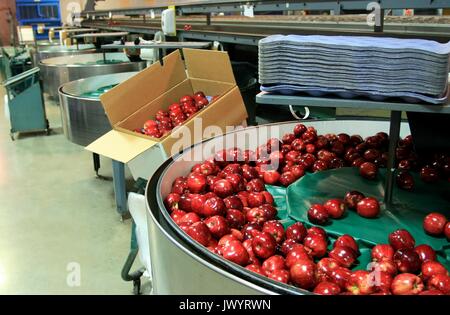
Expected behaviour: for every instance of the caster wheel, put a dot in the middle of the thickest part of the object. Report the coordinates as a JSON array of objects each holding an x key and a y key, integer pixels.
[
  {"x": 48, "y": 131},
  {"x": 12, "y": 137}
]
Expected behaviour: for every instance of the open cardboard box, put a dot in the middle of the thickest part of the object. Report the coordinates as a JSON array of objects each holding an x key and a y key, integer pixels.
[{"x": 136, "y": 100}]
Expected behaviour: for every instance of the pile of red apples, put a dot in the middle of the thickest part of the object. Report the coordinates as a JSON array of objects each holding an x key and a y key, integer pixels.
[
  {"x": 223, "y": 204},
  {"x": 176, "y": 115}
]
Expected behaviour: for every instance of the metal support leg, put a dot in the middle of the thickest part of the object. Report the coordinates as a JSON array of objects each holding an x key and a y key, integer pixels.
[
  {"x": 394, "y": 135},
  {"x": 119, "y": 187},
  {"x": 96, "y": 160}
]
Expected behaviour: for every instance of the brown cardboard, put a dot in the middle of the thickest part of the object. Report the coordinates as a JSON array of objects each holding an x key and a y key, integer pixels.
[
  {"x": 125, "y": 148},
  {"x": 126, "y": 98},
  {"x": 136, "y": 100},
  {"x": 209, "y": 65}
]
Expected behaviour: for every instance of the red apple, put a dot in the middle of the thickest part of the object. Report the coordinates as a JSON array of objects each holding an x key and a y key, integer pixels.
[
  {"x": 256, "y": 215},
  {"x": 189, "y": 218},
  {"x": 280, "y": 275},
  {"x": 355, "y": 140},
  {"x": 368, "y": 207},
  {"x": 236, "y": 181},
  {"x": 326, "y": 155},
  {"x": 273, "y": 263},
  {"x": 287, "y": 246},
  {"x": 401, "y": 239},
  {"x": 271, "y": 177},
  {"x": 344, "y": 255},
  {"x": 223, "y": 188},
  {"x": 255, "y": 185},
  {"x": 315, "y": 230},
  {"x": 252, "y": 257},
  {"x": 387, "y": 266},
  {"x": 298, "y": 252},
  {"x": 288, "y": 138},
  {"x": 382, "y": 252},
  {"x": 318, "y": 214},
  {"x": 268, "y": 198},
  {"x": 335, "y": 208},
  {"x": 249, "y": 172},
  {"x": 371, "y": 155},
  {"x": 319, "y": 165},
  {"x": 327, "y": 288},
  {"x": 255, "y": 268},
  {"x": 171, "y": 201},
  {"x": 292, "y": 156},
  {"x": 234, "y": 251},
  {"x": 274, "y": 228},
  {"x": 439, "y": 282},
  {"x": 406, "y": 284},
  {"x": 348, "y": 241},
  {"x": 429, "y": 174},
  {"x": 434, "y": 223},
  {"x": 358, "y": 162},
  {"x": 337, "y": 163},
  {"x": 296, "y": 232},
  {"x": 352, "y": 198},
  {"x": 360, "y": 283},
  {"x": 287, "y": 178},
  {"x": 213, "y": 206},
  {"x": 303, "y": 274},
  {"x": 225, "y": 240},
  {"x": 255, "y": 199},
  {"x": 317, "y": 244},
  {"x": 176, "y": 215},
  {"x": 405, "y": 180},
  {"x": 368, "y": 170},
  {"x": 321, "y": 142},
  {"x": 238, "y": 234},
  {"x": 431, "y": 268},
  {"x": 383, "y": 282},
  {"x": 299, "y": 130},
  {"x": 264, "y": 245},
  {"x": 199, "y": 232},
  {"x": 340, "y": 276},
  {"x": 250, "y": 230},
  {"x": 324, "y": 268},
  {"x": 233, "y": 202},
  {"x": 217, "y": 225},
  {"x": 196, "y": 183},
  {"x": 235, "y": 218},
  {"x": 425, "y": 253},
  {"x": 270, "y": 211},
  {"x": 309, "y": 136},
  {"x": 407, "y": 260}
]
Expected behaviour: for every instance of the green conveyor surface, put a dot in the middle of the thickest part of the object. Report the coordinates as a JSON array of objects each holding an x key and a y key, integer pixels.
[{"x": 408, "y": 209}]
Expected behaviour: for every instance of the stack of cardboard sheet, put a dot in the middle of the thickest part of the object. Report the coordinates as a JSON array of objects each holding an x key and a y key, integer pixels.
[{"x": 349, "y": 66}]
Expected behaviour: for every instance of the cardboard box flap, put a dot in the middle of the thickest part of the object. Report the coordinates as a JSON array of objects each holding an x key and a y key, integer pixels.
[
  {"x": 209, "y": 64},
  {"x": 120, "y": 146},
  {"x": 132, "y": 94}
]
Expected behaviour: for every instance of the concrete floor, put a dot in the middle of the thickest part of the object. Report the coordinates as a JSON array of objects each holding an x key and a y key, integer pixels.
[{"x": 55, "y": 216}]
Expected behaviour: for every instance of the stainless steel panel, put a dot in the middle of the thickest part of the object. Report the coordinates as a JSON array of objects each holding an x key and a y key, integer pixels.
[
  {"x": 84, "y": 119},
  {"x": 60, "y": 70}
]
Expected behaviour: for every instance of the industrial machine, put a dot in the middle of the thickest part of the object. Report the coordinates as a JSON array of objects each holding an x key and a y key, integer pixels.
[
  {"x": 50, "y": 51},
  {"x": 84, "y": 119},
  {"x": 174, "y": 255},
  {"x": 60, "y": 70},
  {"x": 25, "y": 103}
]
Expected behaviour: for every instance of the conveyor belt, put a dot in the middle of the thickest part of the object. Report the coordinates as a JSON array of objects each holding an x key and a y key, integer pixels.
[{"x": 242, "y": 30}]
